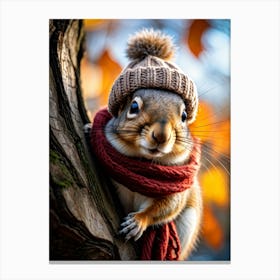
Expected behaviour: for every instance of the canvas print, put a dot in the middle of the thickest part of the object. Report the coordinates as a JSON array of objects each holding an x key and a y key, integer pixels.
[{"x": 139, "y": 114}]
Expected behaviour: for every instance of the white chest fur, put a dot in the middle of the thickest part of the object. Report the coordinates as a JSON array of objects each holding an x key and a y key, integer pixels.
[{"x": 131, "y": 201}]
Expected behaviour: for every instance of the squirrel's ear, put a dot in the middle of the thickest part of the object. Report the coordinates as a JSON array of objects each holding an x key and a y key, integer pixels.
[{"x": 150, "y": 42}]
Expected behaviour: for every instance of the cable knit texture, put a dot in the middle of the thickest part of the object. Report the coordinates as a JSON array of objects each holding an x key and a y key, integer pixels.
[{"x": 149, "y": 179}]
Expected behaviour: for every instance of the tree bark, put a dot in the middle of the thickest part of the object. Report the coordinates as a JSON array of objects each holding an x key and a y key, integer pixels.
[{"x": 84, "y": 212}]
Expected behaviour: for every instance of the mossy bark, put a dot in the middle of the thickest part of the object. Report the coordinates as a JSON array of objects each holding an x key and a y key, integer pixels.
[{"x": 84, "y": 215}]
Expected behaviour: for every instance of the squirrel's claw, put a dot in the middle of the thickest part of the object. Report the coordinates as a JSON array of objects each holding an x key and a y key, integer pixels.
[{"x": 131, "y": 227}]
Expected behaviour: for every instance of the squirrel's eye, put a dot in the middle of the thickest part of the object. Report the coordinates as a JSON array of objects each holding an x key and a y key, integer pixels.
[
  {"x": 184, "y": 116},
  {"x": 134, "y": 108}
]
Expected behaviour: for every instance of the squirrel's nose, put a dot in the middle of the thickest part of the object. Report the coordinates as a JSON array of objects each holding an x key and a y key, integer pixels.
[{"x": 161, "y": 132}]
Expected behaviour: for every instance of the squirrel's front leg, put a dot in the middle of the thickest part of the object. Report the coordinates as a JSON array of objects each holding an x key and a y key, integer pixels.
[{"x": 162, "y": 210}]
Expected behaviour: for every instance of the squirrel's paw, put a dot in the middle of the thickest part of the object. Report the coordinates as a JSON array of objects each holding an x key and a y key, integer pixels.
[{"x": 133, "y": 226}]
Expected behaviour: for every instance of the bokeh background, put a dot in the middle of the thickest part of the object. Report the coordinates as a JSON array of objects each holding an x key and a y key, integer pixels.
[{"x": 203, "y": 52}]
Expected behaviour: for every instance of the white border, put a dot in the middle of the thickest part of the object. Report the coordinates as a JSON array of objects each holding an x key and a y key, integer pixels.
[{"x": 255, "y": 138}]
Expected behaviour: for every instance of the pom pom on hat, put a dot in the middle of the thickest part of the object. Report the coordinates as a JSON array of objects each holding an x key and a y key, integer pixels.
[
  {"x": 149, "y": 51},
  {"x": 150, "y": 42}
]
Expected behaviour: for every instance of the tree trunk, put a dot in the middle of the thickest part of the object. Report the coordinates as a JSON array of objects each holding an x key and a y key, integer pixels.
[{"x": 84, "y": 214}]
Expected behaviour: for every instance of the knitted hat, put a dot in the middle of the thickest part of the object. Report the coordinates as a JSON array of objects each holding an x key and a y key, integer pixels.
[{"x": 149, "y": 52}]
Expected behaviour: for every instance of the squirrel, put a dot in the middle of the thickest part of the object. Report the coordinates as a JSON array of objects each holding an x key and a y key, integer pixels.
[
  {"x": 154, "y": 128},
  {"x": 150, "y": 122}
]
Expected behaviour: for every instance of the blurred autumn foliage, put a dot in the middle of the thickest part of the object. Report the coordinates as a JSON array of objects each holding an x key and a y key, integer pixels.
[
  {"x": 194, "y": 37},
  {"x": 204, "y": 55}
]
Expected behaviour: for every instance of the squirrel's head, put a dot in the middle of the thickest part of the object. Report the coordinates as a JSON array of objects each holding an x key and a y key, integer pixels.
[
  {"x": 152, "y": 101},
  {"x": 153, "y": 124}
]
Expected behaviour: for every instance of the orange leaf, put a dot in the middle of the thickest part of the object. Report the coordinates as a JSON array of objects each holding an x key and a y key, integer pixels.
[
  {"x": 194, "y": 36},
  {"x": 204, "y": 123},
  {"x": 110, "y": 69},
  {"x": 90, "y": 78},
  {"x": 211, "y": 229},
  {"x": 221, "y": 143},
  {"x": 211, "y": 130},
  {"x": 215, "y": 186},
  {"x": 91, "y": 24}
]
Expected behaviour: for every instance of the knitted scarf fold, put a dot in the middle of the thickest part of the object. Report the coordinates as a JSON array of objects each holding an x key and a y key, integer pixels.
[{"x": 149, "y": 179}]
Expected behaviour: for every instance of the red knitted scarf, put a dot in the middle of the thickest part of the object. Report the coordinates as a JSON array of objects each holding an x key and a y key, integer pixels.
[{"x": 149, "y": 179}]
